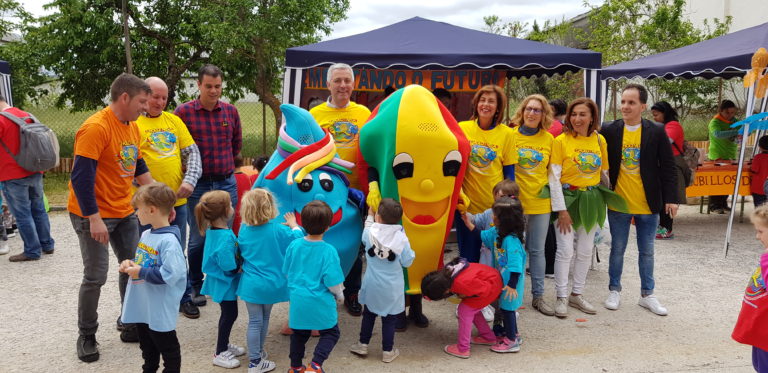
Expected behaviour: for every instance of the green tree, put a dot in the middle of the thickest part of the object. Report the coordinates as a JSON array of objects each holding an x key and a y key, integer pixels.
[{"x": 81, "y": 42}]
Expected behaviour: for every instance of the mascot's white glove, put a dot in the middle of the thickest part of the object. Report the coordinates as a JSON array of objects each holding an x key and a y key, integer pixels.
[{"x": 374, "y": 195}]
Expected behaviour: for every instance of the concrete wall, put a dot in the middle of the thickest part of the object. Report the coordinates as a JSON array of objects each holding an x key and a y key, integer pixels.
[{"x": 745, "y": 13}]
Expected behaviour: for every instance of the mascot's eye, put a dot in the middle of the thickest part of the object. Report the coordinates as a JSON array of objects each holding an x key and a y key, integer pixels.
[
  {"x": 326, "y": 182},
  {"x": 402, "y": 166},
  {"x": 452, "y": 163},
  {"x": 306, "y": 184}
]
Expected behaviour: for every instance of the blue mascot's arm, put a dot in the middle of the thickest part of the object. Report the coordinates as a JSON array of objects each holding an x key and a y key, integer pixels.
[
  {"x": 358, "y": 199},
  {"x": 509, "y": 172}
]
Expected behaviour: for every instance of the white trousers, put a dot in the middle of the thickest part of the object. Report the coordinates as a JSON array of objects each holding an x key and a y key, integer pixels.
[{"x": 565, "y": 262}]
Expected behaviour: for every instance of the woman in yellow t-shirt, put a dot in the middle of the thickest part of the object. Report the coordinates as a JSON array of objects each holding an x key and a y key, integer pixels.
[
  {"x": 534, "y": 145},
  {"x": 491, "y": 160},
  {"x": 579, "y": 161}
]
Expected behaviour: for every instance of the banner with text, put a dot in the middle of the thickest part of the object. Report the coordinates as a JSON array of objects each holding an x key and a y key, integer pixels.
[{"x": 377, "y": 80}]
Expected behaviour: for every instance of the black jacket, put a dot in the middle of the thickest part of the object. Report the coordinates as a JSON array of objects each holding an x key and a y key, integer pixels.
[{"x": 657, "y": 165}]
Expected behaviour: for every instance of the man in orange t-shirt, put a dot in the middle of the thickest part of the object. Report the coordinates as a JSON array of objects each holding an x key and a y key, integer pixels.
[{"x": 99, "y": 202}]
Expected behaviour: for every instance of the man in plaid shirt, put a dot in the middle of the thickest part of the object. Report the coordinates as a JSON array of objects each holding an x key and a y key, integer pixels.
[{"x": 215, "y": 127}]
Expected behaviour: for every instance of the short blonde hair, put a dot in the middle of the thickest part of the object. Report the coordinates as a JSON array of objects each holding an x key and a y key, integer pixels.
[
  {"x": 546, "y": 112},
  {"x": 760, "y": 215},
  {"x": 257, "y": 207}
]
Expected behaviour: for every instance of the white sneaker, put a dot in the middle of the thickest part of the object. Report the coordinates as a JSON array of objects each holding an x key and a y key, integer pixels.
[
  {"x": 226, "y": 360},
  {"x": 236, "y": 350},
  {"x": 488, "y": 312},
  {"x": 388, "y": 356},
  {"x": 359, "y": 349},
  {"x": 4, "y": 249},
  {"x": 561, "y": 307},
  {"x": 613, "y": 301},
  {"x": 263, "y": 366},
  {"x": 652, "y": 303}
]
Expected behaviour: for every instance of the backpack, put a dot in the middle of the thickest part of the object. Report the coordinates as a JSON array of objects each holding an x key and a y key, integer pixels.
[
  {"x": 690, "y": 155},
  {"x": 38, "y": 145}
]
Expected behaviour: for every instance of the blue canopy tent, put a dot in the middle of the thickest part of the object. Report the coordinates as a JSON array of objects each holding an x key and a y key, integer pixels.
[
  {"x": 727, "y": 56},
  {"x": 423, "y": 44},
  {"x": 5, "y": 81}
]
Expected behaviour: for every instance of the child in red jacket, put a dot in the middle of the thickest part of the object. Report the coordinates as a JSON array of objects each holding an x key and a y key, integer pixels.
[
  {"x": 477, "y": 285},
  {"x": 752, "y": 325}
]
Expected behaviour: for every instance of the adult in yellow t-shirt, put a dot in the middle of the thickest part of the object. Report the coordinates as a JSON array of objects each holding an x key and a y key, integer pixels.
[
  {"x": 642, "y": 170},
  {"x": 164, "y": 142},
  {"x": 534, "y": 147},
  {"x": 344, "y": 119},
  {"x": 579, "y": 159},
  {"x": 107, "y": 160},
  {"x": 491, "y": 160}
]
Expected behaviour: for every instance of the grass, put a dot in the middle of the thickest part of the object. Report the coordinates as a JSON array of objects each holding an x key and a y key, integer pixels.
[
  {"x": 66, "y": 123},
  {"x": 56, "y": 189}
]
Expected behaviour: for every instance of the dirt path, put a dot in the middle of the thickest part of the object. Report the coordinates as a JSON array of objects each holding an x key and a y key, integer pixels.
[{"x": 701, "y": 290}]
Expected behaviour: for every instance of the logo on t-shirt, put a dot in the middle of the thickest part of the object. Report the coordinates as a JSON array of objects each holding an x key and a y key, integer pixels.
[
  {"x": 587, "y": 162},
  {"x": 127, "y": 158},
  {"x": 755, "y": 286},
  {"x": 528, "y": 158},
  {"x": 481, "y": 156},
  {"x": 163, "y": 142},
  {"x": 146, "y": 256},
  {"x": 630, "y": 159},
  {"x": 343, "y": 132},
  {"x": 501, "y": 257}
]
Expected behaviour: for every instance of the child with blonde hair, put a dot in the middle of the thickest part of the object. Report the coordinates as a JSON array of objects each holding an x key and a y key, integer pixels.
[
  {"x": 752, "y": 326},
  {"x": 262, "y": 242},
  {"x": 221, "y": 269}
]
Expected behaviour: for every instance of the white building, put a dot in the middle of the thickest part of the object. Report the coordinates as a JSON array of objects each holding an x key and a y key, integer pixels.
[{"x": 744, "y": 13}]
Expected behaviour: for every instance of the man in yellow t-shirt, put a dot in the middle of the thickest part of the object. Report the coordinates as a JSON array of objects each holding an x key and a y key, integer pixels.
[
  {"x": 642, "y": 172},
  {"x": 344, "y": 119},
  {"x": 164, "y": 142}
]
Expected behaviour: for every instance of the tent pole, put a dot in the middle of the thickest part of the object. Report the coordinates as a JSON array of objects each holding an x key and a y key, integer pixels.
[
  {"x": 720, "y": 92},
  {"x": 742, "y": 150}
]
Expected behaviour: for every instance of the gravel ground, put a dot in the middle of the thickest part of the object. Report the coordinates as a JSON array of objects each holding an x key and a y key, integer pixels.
[{"x": 701, "y": 289}]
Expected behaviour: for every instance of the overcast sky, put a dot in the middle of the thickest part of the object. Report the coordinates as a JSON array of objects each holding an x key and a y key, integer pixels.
[{"x": 366, "y": 15}]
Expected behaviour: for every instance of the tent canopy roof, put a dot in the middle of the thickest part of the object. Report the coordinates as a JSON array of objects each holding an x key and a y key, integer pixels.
[
  {"x": 420, "y": 43},
  {"x": 727, "y": 56}
]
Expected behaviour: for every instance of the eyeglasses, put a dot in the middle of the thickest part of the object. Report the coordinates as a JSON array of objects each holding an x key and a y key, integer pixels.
[{"x": 533, "y": 110}]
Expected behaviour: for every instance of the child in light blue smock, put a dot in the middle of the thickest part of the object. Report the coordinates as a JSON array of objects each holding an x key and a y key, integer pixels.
[
  {"x": 382, "y": 292},
  {"x": 315, "y": 278},
  {"x": 262, "y": 242},
  {"x": 221, "y": 267},
  {"x": 509, "y": 257}
]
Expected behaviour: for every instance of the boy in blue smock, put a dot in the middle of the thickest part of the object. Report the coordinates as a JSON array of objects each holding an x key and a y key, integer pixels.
[
  {"x": 158, "y": 279},
  {"x": 315, "y": 278},
  {"x": 382, "y": 292}
]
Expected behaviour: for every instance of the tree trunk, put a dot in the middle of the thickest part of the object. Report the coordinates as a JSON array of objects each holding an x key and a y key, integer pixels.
[
  {"x": 127, "y": 39},
  {"x": 266, "y": 96}
]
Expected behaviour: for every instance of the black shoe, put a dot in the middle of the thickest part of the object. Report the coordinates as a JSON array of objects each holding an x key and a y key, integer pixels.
[
  {"x": 129, "y": 334},
  {"x": 87, "y": 348},
  {"x": 119, "y": 325},
  {"x": 197, "y": 298},
  {"x": 419, "y": 319},
  {"x": 401, "y": 324},
  {"x": 189, "y": 310},
  {"x": 49, "y": 251},
  {"x": 353, "y": 306}
]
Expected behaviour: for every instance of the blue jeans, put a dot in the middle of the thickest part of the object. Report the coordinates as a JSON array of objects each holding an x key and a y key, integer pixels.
[
  {"x": 25, "y": 199},
  {"x": 258, "y": 325},
  {"x": 645, "y": 227},
  {"x": 180, "y": 221},
  {"x": 196, "y": 241},
  {"x": 535, "y": 238}
]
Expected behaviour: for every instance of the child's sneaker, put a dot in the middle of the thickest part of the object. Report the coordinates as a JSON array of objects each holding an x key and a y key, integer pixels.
[
  {"x": 454, "y": 351},
  {"x": 506, "y": 346},
  {"x": 226, "y": 360},
  {"x": 314, "y": 368},
  {"x": 663, "y": 234},
  {"x": 479, "y": 340},
  {"x": 360, "y": 349},
  {"x": 236, "y": 350},
  {"x": 388, "y": 356},
  {"x": 261, "y": 367},
  {"x": 300, "y": 369}
]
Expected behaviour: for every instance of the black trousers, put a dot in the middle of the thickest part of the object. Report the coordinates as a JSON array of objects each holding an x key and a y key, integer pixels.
[
  {"x": 226, "y": 320},
  {"x": 299, "y": 338},
  {"x": 155, "y": 344},
  {"x": 387, "y": 329},
  {"x": 354, "y": 278}
]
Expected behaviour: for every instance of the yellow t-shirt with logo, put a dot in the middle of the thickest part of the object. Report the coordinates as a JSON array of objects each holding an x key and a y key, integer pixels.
[
  {"x": 533, "y": 153},
  {"x": 582, "y": 158},
  {"x": 490, "y": 151},
  {"x": 630, "y": 185},
  {"x": 344, "y": 124},
  {"x": 162, "y": 139}
]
